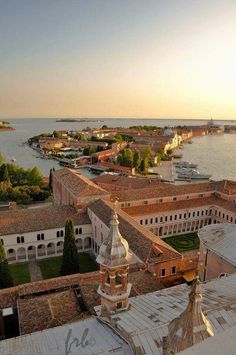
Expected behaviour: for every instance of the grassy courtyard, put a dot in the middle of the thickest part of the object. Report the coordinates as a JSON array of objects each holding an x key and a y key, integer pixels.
[
  {"x": 19, "y": 273},
  {"x": 51, "y": 267},
  {"x": 184, "y": 242}
]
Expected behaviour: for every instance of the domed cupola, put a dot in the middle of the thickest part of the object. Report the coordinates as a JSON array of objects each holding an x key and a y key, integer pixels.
[
  {"x": 114, "y": 287},
  {"x": 114, "y": 250}
]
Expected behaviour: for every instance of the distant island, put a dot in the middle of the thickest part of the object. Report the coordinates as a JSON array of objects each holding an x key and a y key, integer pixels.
[
  {"x": 5, "y": 126},
  {"x": 77, "y": 120}
]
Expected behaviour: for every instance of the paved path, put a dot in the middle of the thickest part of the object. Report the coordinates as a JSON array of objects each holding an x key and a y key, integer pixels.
[{"x": 34, "y": 270}]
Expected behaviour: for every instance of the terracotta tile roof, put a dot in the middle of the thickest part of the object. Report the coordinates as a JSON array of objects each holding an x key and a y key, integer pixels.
[
  {"x": 227, "y": 186},
  {"x": 57, "y": 283},
  {"x": 164, "y": 190},
  {"x": 78, "y": 184},
  {"x": 169, "y": 206},
  {"x": 9, "y": 296},
  {"x": 112, "y": 182},
  {"x": 47, "y": 311},
  {"x": 142, "y": 242},
  {"x": 37, "y": 219}
]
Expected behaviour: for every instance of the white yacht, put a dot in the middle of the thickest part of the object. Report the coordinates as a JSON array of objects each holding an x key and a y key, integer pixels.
[
  {"x": 193, "y": 174},
  {"x": 185, "y": 164}
]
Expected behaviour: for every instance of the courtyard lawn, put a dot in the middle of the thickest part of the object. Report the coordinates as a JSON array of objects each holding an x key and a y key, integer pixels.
[
  {"x": 184, "y": 242},
  {"x": 51, "y": 267},
  {"x": 19, "y": 273}
]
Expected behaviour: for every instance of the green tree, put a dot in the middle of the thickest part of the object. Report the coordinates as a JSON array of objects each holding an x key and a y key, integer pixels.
[
  {"x": 5, "y": 276},
  {"x": 56, "y": 134},
  {"x": 89, "y": 150},
  {"x": 79, "y": 136},
  {"x": 1, "y": 159},
  {"x": 146, "y": 153},
  {"x": 136, "y": 160},
  {"x": 144, "y": 165},
  {"x": 127, "y": 155},
  {"x": 35, "y": 177},
  {"x": 5, "y": 173},
  {"x": 50, "y": 180},
  {"x": 70, "y": 259}
]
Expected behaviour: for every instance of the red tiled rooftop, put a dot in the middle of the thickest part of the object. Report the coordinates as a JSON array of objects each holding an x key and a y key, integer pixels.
[
  {"x": 142, "y": 242},
  {"x": 37, "y": 219},
  {"x": 78, "y": 184}
]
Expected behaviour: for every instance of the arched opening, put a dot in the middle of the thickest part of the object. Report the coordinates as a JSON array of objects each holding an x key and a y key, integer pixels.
[
  {"x": 31, "y": 252},
  {"x": 51, "y": 249},
  {"x": 21, "y": 254},
  {"x": 41, "y": 250},
  {"x": 118, "y": 279},
  {"x": 107, "y": 278},
  {"x": 87, "y": 243},
  {"x": 60, "y": 246},
  {"x": 11, "y": 255},
  {"x": 79, "y": 243}
]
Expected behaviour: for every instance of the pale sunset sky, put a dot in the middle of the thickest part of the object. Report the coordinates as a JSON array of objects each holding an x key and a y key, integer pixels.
[{"x": 118, "y": 58}]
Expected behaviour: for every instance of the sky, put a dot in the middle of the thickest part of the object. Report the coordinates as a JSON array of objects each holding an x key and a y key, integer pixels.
[{"x": 118, "y": 58}]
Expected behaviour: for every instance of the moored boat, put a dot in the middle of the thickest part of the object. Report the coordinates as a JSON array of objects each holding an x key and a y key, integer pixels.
[{"x": 194, "y": 175}]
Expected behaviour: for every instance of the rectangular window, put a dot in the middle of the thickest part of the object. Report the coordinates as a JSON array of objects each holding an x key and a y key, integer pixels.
[
  {"x": 163, "y": 272},
  {"x": 141, "y": 222},
  {"x": 145, "y": 202},
  {"x": 174, "y": 198},
  {"x": 151, "y": 220},
  {"x": 173, "y": 270},
  {"x": 160, "y": 200},
  {"x": 170, "y": 218}
]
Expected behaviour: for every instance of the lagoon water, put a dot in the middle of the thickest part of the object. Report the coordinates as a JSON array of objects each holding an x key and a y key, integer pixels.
[{"x": 215, "y": 155}]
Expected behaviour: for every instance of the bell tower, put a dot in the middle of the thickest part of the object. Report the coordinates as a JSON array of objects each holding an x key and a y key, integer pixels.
[{"x": 114, "y": 287}]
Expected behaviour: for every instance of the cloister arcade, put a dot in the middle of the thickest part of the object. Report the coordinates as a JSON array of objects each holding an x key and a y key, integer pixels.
[{"x": 44, "y": 250}]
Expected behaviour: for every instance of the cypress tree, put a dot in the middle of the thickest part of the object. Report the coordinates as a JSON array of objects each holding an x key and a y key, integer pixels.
[
  {"x": 5, "y": 276},
  {"x": 50, "y": 180},
  {"x": 70, "y": 259}
]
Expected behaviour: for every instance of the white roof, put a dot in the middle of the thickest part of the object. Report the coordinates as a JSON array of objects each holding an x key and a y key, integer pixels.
[
  {"x": 146, "y": 321},
  {"x": 221, "y": 239},
  {"x": 93, "y": 338}
]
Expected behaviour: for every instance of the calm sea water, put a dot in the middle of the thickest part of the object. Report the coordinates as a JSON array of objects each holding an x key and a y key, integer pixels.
[{"x": 213, "y": 154}]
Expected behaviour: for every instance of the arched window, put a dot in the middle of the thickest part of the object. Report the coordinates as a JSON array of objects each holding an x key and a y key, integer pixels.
[
  {"x": 76, "y": 231},
  {"x": 42, "y": 236},
  {"x": 38, "y": 236},
  {"x": 62, "y": 233},
  {"x": 22, "y": 239},
  {"x": 107, "y": 278},
  {"x": 11, "y": 251},
  {"x": 18, "y": 240},
  {"x": 58, "y": 234},
  {"x": 80, "y": 230},
  {"x": 118, "y": 279}
]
